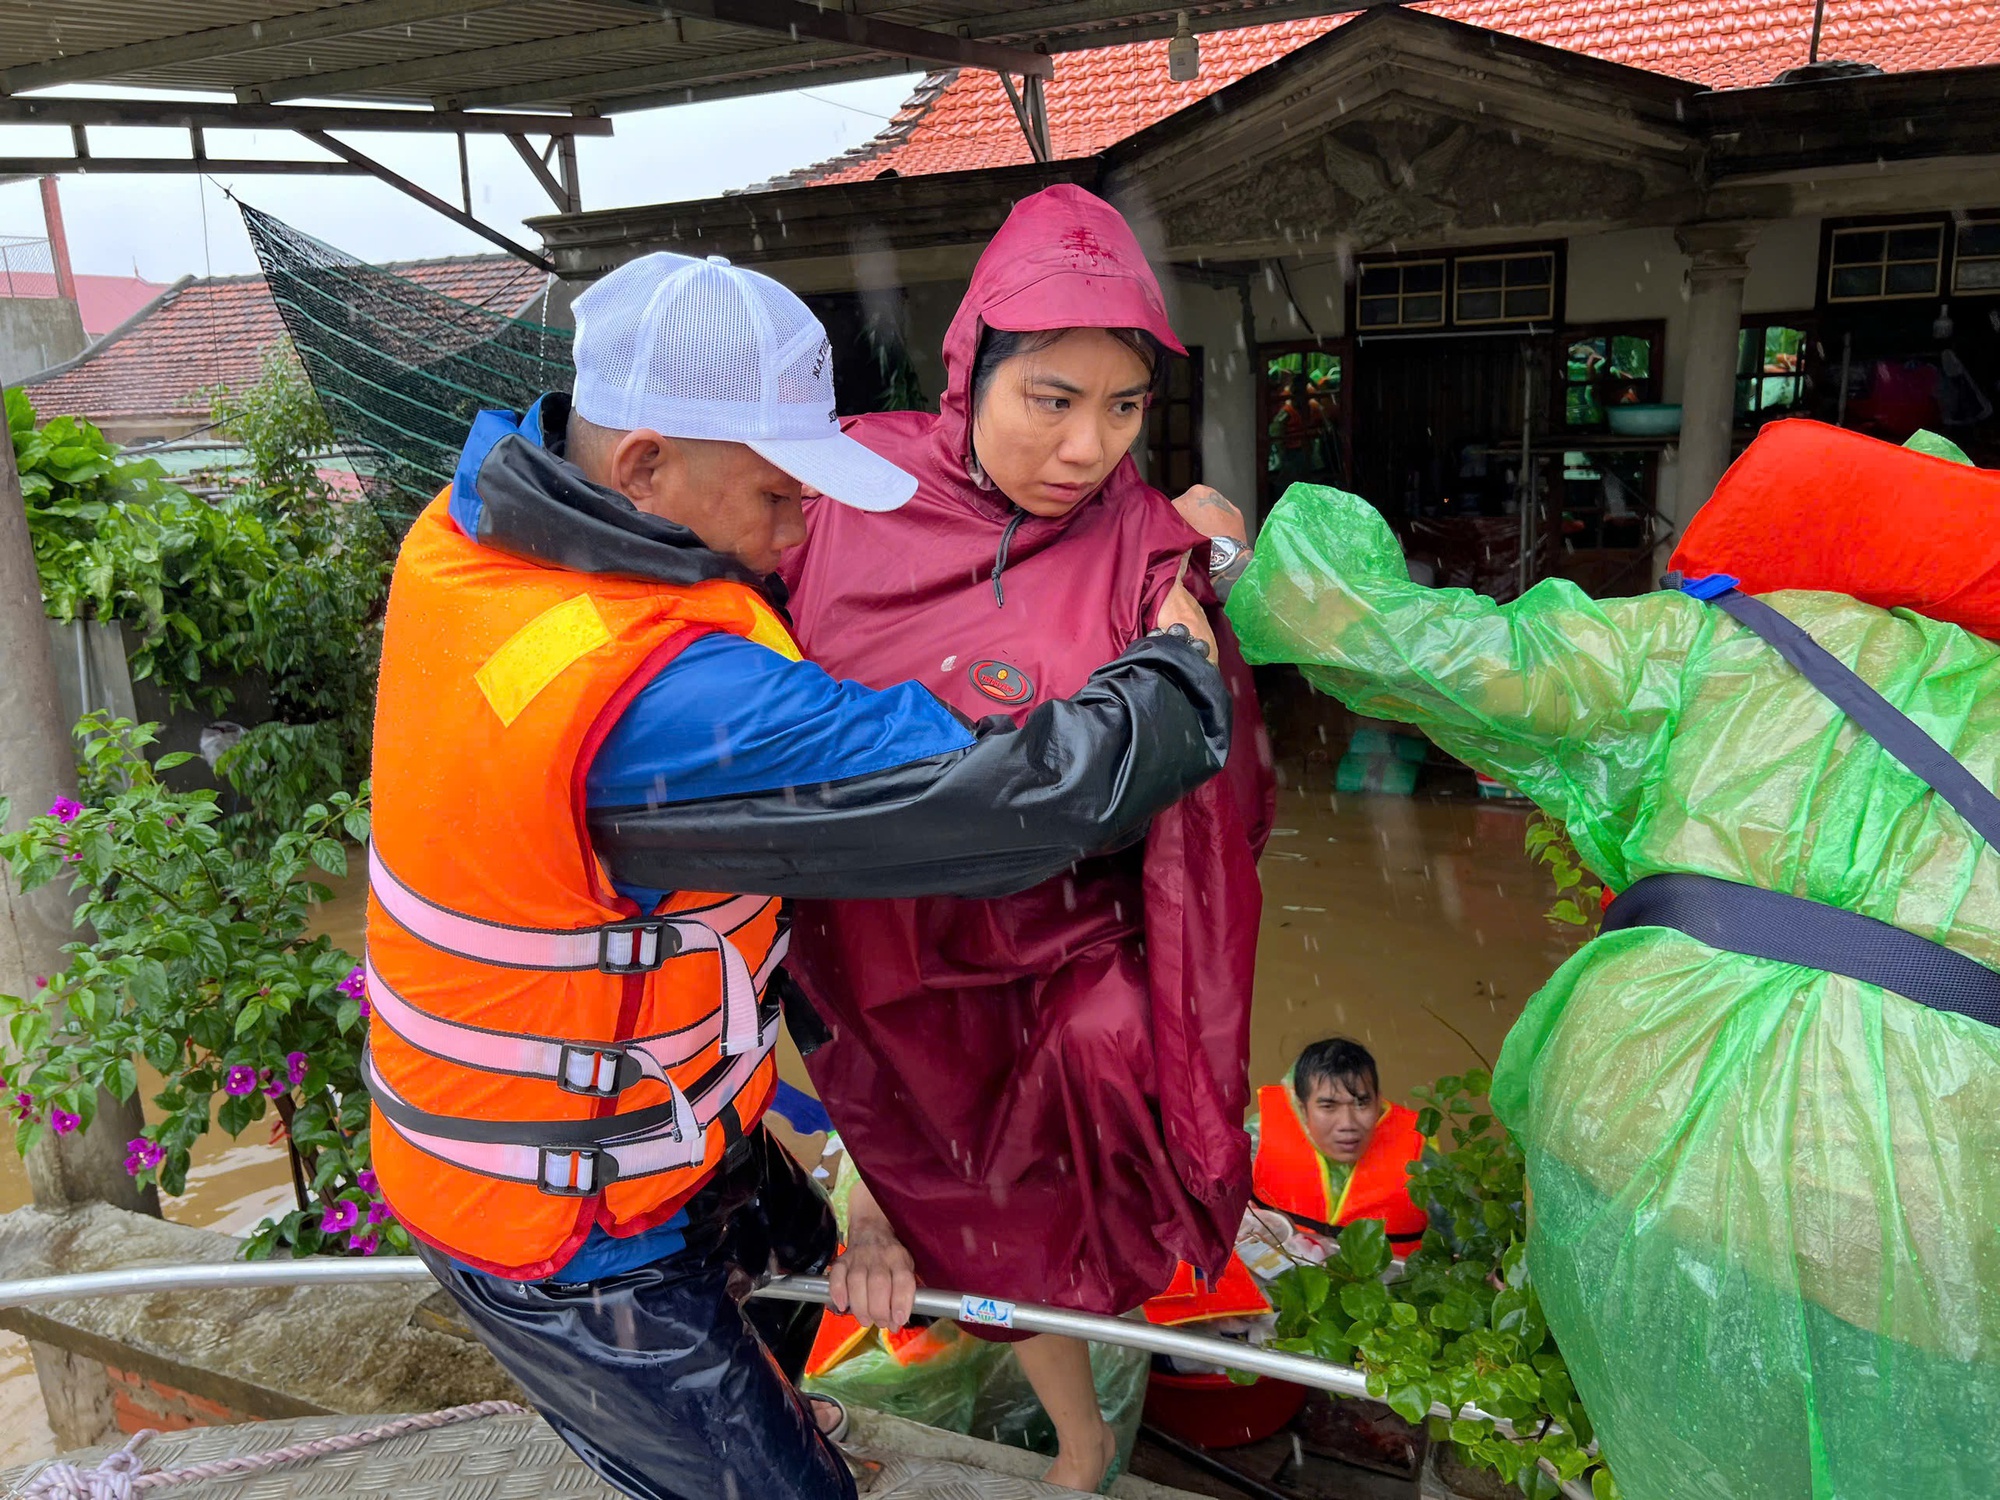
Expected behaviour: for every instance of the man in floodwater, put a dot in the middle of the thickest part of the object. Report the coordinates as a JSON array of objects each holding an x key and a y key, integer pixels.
[
  {"x": 1330, "y": 1149},
  {"x": 1758, "y": 1111},
  {"x": 599, "y": 759}
]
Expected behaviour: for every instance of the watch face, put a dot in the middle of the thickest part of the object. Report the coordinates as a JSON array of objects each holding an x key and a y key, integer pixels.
[{"x": 1222, "y": 551}]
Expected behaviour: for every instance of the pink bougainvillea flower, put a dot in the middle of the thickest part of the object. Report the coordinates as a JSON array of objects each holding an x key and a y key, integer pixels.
[
  {"x": 295, "y": 1066},
  {"x": 41, "y": 981},
  {"x": 365, "y": 1179},
  {"x": 65, "y": 809},
  {"x": 339, "y": 1217},
  {"x": 367, "y": 1010},
  {"x": 355, "y": 985},
  {"x": 142, "y": 1155},
  {"x": 366, "y": 1244},
  {"x": 62, "y": 1122},
  {"x": 378, "y": 1213},
  {"x": 241, "y": 1080},
  {"x": 26, "y": 1109},
  {"x": 275, "y": 1087}
]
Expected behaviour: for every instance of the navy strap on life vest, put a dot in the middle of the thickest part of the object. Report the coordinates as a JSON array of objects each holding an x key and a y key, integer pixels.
[{"x": 1791, "y": 929}]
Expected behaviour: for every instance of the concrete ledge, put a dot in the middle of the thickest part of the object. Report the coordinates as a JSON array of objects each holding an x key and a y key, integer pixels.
[{"x": 270, "y": 1352}]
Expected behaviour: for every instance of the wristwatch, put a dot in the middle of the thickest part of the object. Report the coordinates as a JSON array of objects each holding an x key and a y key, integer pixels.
[{"x": 1227, "y": 558}]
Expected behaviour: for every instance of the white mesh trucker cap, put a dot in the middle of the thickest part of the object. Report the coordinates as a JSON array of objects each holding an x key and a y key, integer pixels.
[{"x": 703, "y": 349}]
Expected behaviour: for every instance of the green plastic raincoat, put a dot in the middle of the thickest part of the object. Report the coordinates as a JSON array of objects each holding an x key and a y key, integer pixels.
[{"x": 1764, "y": 1204}]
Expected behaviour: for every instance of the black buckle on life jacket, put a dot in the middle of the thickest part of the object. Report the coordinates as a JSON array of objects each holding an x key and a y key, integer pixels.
[
  {"x": 597, "y": 1071},
  {"x": 644, "y": 944},
  {"x": 575, "y": 1172}
]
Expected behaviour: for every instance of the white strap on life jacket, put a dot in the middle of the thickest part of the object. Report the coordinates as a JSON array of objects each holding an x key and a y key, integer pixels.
[
  {"x": 638, "y": 946},
  {"x": 580, "y": 1171},
  {"x": 603, "y": 1069}
]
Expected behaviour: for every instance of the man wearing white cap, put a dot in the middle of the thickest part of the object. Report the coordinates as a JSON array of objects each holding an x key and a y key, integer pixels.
[{"x": 599, "y": 767}]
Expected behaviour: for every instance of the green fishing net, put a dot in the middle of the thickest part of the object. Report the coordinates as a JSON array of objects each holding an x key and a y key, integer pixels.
[
  {"x": 1764, "y": 1197},
  {"x": 401, "y": 370}
]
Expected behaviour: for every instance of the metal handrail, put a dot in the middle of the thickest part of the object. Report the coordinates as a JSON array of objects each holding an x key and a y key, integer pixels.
[{"x": 1023, "y": 1317}]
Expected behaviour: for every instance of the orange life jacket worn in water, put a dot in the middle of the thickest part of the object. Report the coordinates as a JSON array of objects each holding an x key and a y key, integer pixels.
[
  {"x": 1290, "y": 1175},
  {"x": 543, "y": 1056}
]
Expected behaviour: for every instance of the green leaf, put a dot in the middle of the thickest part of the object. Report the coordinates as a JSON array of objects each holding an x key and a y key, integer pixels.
[
  {"x": 1602, "y": 1485},
  {"x": 1364, "y": 1248},
  {"x": 330, "y": 857},
  {"x": 1365, "y": 1301},
  {"x": 1408, "y": 1402}
]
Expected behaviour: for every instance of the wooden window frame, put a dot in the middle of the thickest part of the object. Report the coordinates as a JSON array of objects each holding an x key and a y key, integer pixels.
[
  {"x": 1653, "y": 330},
  {"x": 1160, "y": 446},
  {"x": 1501, "y": 258},
  {"x": 1834, "y": 229},
  {"x": 1402, "y": 265},
  {"x": 1557, "y": 250}
]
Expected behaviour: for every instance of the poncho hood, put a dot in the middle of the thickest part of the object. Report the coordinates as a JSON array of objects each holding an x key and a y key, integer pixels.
[{"x": 1064, "y": 259}]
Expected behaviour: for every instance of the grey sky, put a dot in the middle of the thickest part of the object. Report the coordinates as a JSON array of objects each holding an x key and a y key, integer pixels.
[{"x": 156, "y": 224}]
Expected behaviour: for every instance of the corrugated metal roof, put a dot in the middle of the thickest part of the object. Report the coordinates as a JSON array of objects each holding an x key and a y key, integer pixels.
[{"x": 593, "y": 54}]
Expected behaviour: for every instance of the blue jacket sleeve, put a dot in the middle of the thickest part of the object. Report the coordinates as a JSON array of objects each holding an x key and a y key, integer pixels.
[{"x": 739, "y": 770}]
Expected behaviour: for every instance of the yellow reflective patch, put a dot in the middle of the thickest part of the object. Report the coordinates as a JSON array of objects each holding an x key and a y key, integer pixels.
[
  {"x": 538, "y": 653},
  {"x": 771, "y": 633}
]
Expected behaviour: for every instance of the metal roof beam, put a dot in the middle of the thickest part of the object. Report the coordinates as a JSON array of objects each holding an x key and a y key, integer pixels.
[
  {"x": 197, "y": 115},
  {"x": 424, "y": 196},
  {"x": 155, "y": 166},
  {"x": 835, "y": 33},
  {"x": 869, "y": 34},
  {"x": 584, "y": 46},
  {"x": 224, "y": 41},
  {"x": 1075, "y": 27}
]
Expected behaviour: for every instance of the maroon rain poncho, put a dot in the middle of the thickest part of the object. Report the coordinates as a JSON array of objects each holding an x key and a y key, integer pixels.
[{"x": 1045, "y": 1092}]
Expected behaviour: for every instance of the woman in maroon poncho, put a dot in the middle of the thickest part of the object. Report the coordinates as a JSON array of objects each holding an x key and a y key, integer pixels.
[{"x": 1044, "y": 1093}]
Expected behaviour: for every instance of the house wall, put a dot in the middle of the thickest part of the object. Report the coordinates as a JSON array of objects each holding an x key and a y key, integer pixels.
[{"x": 35, "y": 333}]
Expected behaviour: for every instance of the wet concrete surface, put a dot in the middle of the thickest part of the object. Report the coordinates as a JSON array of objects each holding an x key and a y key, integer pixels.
[{"x": 1398, "y": 921}]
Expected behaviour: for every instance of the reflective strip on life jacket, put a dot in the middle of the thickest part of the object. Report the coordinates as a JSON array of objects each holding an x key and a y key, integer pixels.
[
  {"x": 577, "y": 1158},
  {"x": 603, "y": 1069},
  {"x": 638, "y": 946}
]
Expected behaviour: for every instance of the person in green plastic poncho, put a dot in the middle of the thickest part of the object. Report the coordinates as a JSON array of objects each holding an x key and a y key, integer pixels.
[{"x": 1764, "y": 1197}]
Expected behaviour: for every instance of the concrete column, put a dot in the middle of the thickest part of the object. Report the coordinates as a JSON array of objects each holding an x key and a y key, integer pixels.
[
  {"x": 1720, "y": 261},
  {"x": 37, "y": 765}
]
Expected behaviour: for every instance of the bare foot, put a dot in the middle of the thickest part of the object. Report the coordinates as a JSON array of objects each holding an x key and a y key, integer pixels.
[
  {"x": 1082, "y": 1466},
  {"x": 828, "y": 1416}
]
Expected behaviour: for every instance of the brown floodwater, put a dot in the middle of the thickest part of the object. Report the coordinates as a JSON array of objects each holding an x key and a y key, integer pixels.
[{"x": 1402, "y": 922}]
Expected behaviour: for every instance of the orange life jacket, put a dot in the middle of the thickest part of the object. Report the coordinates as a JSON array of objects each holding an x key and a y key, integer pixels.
[
  {"x": 840, "y": 1338},
  {"x": 543, "y": 1056},
  {"x": 1193, "y": 1298},
  {"x": 1289, "y": 1173}
]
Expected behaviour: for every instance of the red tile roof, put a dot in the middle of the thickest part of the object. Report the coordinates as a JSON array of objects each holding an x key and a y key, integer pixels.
[
  {"x": 103, "y": 301},
  {"x": 215, "y": 332},
  {"x": 962, "y": 121}
]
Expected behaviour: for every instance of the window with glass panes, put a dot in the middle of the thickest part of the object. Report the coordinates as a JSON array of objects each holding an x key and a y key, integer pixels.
[
  {"x": 1504, "y": 288},
  {"x": 1606, "y": 369},
  {"x": 1770, "y": 371},
  {"x": 1302, "y": 415},
  {"x": 1976, "y": 257},
  {"x": 1403, "y": 294},
  {"x": 1877, "y": 263}
]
